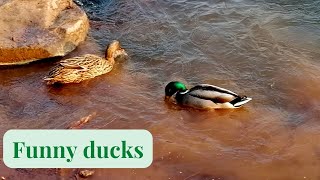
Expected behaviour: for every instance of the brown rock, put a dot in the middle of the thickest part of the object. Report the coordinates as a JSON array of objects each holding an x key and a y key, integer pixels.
[
  {"x": 37, "y": 29},
  {"x": 86, "y": 173}
]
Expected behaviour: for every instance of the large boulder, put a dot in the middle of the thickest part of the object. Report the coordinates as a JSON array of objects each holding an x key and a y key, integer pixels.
[{"x": 38, "y": 29}]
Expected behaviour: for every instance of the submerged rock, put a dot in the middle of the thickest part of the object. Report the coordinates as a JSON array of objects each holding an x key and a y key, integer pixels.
[
  {"x": 37, "y": 29},
  {"x": 86, "y": 173}
]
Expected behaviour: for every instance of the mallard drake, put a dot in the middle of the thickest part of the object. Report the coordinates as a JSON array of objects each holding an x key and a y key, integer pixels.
[
  {"x": 77, "y": 69},
  {"x": 204, "y": 96}
]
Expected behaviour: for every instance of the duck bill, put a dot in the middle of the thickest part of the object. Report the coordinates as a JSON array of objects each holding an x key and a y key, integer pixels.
[{"x": 123, "y": 52}]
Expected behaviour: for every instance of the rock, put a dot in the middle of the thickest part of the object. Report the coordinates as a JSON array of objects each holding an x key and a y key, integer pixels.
[
  {"x": 86, "y": 173},
  {"x": 37, "y": 29}
]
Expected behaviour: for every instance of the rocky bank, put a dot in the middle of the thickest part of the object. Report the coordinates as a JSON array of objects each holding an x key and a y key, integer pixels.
[{"x": 36, "y": 29}]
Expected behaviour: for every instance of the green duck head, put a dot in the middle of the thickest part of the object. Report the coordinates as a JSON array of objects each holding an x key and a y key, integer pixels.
[{"x": 174, "y": 87}]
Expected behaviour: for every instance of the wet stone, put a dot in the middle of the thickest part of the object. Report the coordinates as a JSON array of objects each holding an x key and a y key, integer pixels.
[
  {"x": 86, "y": 173},
  {"x": 39, "y": 29}
]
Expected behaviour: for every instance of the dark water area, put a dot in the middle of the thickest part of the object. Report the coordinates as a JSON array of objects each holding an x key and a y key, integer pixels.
[{"x": 265, "y": 49}]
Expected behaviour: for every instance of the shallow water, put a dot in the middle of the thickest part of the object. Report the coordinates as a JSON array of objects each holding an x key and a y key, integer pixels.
[{"x": 265, "y": 49}]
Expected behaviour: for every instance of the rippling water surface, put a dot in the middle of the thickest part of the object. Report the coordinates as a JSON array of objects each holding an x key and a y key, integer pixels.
[{"x": 266, "y": 49}]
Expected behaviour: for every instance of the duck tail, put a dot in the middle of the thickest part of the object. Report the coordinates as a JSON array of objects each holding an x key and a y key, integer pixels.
[
  {"x": 49, "y": 81},
  {"x": 239, "y": 101}
]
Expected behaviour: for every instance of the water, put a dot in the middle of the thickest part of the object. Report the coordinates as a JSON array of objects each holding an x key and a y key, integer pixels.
[{"x": 265, "y": 49}]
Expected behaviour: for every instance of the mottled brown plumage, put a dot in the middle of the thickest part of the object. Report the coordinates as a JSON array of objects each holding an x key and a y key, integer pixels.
[{"x": 77, "y": 69}]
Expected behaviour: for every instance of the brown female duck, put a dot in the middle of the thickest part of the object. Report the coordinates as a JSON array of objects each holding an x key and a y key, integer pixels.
[{"x": 77, "y": 69}]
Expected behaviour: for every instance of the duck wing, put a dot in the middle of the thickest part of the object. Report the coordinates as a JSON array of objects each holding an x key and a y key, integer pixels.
[
  {"x": 213, "y": 93},
  {"x": 73, "y": 65},
  {"x": 82, "y": 63}
]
